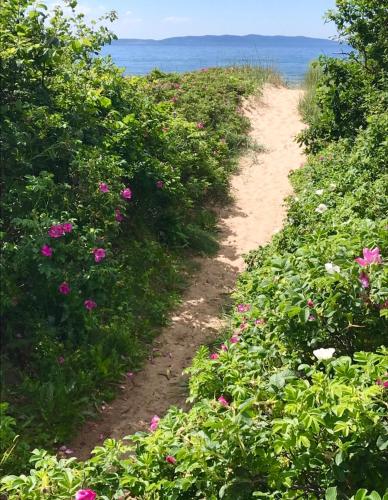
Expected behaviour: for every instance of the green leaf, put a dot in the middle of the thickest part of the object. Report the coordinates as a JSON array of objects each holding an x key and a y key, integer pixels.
[{"x": 331, "y": 493}]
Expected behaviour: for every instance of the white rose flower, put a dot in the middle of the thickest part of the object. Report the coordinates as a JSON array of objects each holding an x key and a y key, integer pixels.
[
  {"x": 324, "y": 353},
  {"x": 332, "y": 268},
  {"x": 319, "y": 192},
  {"x": 321, "y": 208}
]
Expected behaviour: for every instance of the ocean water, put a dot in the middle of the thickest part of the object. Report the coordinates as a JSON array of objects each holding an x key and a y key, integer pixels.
[{"x": 289, "y": 55}]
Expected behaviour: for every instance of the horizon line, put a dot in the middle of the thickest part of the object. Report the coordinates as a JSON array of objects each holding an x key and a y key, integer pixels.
[{"x": 227, "y": 35}]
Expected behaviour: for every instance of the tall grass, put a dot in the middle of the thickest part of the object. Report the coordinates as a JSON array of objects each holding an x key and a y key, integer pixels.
[{"x": 307, "y": 105}]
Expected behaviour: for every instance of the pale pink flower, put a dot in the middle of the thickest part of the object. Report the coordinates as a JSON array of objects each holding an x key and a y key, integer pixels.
[
  {"x": 174, "y": 99},
  {"x": 259, "y": 321},
  {"x": 200, "y": 125},
  {"x": 61, "y": 360},
  {"x": 370, "y": 257},
  {"x": 85, "y": 495},
  {"x": 364, "y": 279},
  {"x": 214, "y": 355},
  {"x": 170, "y": 459},
  {"x": 129, "y": 374},
  {"x": 154, "y": 423},
  {"x": 118, "y": 215},
  {"x": 56, "y": 231},
  {"x": 64, "y": 288},
  {"x": 234, "y": 340},
  {"x": 311, "y": 317},
  {"x": 89, "y": 304},
  {"x": 67, "y": 227},
  {"x": 103, "y": 187},
  {"x": 223, "y": 401},
  {"x": 159, "y": 184},
  {"x": 46, "y": 250},
  {"x": 99, "y": 254},
  {"x": 310, "y": 303},
  {"x": 224, "y": 347},
  {"x": 126, "y": 193}
]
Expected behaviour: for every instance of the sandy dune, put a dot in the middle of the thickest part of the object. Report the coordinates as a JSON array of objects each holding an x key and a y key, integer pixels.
[{"x": 257, "y": 212}]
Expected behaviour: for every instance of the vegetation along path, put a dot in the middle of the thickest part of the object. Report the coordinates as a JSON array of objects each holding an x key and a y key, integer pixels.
[{"x": 256, "y": 213}]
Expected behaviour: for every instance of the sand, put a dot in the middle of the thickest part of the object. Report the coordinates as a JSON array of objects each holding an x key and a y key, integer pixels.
[{"x": 258, "y": 189}]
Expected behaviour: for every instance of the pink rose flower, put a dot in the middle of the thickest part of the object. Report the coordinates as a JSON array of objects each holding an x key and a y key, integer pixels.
[
  {"x": 370, "y": 257},
  {"x": 64, "y": 288},
  {"x": 118, "y": 215},
  {"x": 99, "y": 254},
  {"x": 56, "y": 231},
  {"x": 85, "y": 495},
  {"x": 154, "y": 423},
  {"x": 214, "y": 356},
  {"x": 67, "y": 227},
  {"x": 223, "y": 401},
  {"x": 103, "y": 187},
  {"x": 46, "y": 250},
  {"x": 159, "y": 184},
  {"x": 310, "y": 303},
  {"x": 170, "y": 459},
  {"x": 89, "y": 304},
  {"x": 126, "y": 193},
  {"x": 364, "y": 279}
]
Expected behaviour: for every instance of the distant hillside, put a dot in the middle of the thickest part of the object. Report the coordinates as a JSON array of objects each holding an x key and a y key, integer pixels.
[{"x": 230, "y": 40}]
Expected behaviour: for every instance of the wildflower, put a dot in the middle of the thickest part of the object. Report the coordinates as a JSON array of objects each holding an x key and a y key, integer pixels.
[
  {"x": 177, "y": 86},
  {"x": 224, "y": 347},
  {"x": 174, "y": 99},
  {"x": 89, "y": 304},
  {"x": 85, "y": 495},
  {"x": 324, "y": 353},
  {"x": 126, "y": 193},
  {"x": 118, "y": 215},
  {"x": 214, "y": 355},
  {"x": 319, "y": 192},
  {"x": 381, "y": 383},
  {"x": 56, "y": 231},
  {"x": 159, "y": 184},
  {"x": 101, "y": 436},
  {"x": 321, "y": 208},
  {"x": 332, "y": 268},
  {"x": 200, "y": 125},
  {"x": 223, "y": 401},
  {"x": 67, "y": 227},
  {"x": 69, "y": 451},
  {"x": 154, "y": 423},
  {"x": 321, "y": 158},
  {"x": 234, "y": 340},
  {"x": 46, "y": 250},
  {"x": 370, "y": 257},
  {"x": 170, "y": 459},
  {"x": 364, "y": 279},
  {"x": 243, "y": 307},
  {"x": 99, "y": 254},
  {"x": 64, "y": 288},
  {"x": 61, "y": 360},
  {"x": 103, "y": 187},
  {"x": 310, "y": 303},
  {"x": 129, "y": 374},
  {"x": 311, "y": 317},
  {"x": 63, "y": 448}
]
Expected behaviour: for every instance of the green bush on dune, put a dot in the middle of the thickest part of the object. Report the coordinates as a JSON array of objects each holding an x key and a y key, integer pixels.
[{"x": 293, "y": 402}]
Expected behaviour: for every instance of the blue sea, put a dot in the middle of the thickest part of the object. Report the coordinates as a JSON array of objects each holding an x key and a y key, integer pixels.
[{"x": 289, "y": 55}]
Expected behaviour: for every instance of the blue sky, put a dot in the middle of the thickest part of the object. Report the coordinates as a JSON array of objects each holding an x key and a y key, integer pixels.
[{"x": 165, "y": 18}]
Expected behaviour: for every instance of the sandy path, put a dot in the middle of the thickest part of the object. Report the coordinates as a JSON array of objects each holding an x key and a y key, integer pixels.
[{"x": 256, "y": 213}]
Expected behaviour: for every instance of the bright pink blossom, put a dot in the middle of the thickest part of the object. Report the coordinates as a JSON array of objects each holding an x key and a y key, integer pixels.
[
  {"x": 243, "y": 307},
  {"x": 89, "y": 304},
  {"x": 383, "y": 384},
  {"x": 214, "y": 356},
  {"x": 364, "y": 279},
  {"x": 224, "y": 347},
  {"x": 370, "y": 257},
  {"x": 259, "y": 321},
  {"x": 56, "y": 231},
  {"x": 310, "y": 303},
  {"x": 46, "y": 250},
  {"x": 126, "y": 193},
  {"x": 170, "y": 459},
  {"x": 85, "y": 495},
  {"x": 103, "y": 187},
  {"x": 234, "y": 340},
  {"x": 64, "y": 288},
  {"x": 67, "y": 227},
  {"x": 154, "y": 423},
  {"x": 160, "y": 184},
  {"x": 99, "y": 254},
  {"x": 223, "y": 401}
]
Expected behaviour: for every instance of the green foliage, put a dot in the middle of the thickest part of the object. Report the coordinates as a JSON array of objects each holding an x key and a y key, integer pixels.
[{"x": 69, "y": 122}]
